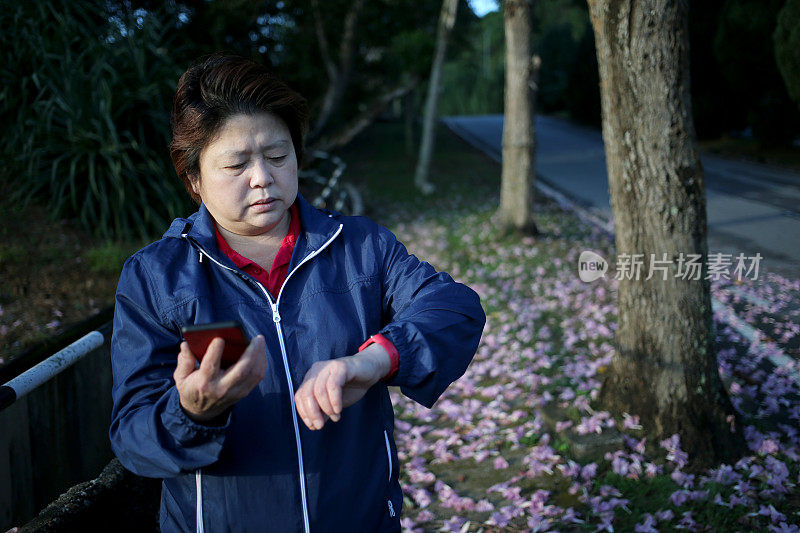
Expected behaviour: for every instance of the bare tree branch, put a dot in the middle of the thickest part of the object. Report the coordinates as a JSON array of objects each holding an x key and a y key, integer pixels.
[
  {"x": 365, "y": 117},
  {"x": 324, "y": 49}
]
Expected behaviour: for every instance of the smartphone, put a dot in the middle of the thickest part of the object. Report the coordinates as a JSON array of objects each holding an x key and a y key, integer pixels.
[{"x": 200, "y": 336}]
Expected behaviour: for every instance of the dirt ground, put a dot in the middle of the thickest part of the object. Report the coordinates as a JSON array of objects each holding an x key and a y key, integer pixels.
[{"x": 46, "y": 282}]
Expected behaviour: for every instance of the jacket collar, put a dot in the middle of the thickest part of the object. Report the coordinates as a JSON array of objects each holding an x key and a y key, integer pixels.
[{"x": 316, "y": 228}]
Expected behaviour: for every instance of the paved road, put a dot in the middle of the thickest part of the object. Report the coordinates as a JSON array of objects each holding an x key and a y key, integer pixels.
[{"x": 751, "y": 208}]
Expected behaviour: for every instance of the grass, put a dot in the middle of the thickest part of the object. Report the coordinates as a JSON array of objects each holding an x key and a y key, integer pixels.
[
  {"x": 52, "y": 275},
  {"x": 10, "y": 253},
  {"x": 652, "y": 495},
  {"x": 377, "y": 164},
  {"x": 108, "y": 257}
]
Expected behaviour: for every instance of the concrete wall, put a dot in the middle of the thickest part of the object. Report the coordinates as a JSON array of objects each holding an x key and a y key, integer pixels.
[{"x": 55, "y": 437}]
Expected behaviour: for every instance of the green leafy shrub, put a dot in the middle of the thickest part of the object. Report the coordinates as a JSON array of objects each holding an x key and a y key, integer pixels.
[
  {"x": 473, "y": 79},
  {"x": 87, "y": 98}
]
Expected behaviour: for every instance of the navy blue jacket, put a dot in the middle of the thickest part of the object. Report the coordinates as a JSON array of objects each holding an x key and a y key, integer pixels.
[{"x": 349, "y": 278}]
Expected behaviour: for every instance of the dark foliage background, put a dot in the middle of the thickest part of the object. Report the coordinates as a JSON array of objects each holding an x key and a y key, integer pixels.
[{"x": 85, "y": 87}]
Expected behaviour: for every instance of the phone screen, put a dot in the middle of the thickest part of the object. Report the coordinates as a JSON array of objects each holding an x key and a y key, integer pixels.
[{"x": 200, "y": 336}]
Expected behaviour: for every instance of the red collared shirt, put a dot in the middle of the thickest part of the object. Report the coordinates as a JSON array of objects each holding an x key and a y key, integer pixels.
[{"x": 273, "y": 280}]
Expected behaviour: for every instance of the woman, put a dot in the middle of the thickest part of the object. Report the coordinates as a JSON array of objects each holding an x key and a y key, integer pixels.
[{"x": 297, "y": 435}]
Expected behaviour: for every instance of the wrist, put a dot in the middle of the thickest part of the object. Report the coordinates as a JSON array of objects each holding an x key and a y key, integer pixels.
[
  {"x": 212, "y": 418},
  {"x": 389, "y": 350},
  {"x": 375, "y": 360}
]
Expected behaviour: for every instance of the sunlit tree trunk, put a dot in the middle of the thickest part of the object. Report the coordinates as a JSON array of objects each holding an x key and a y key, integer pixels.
[
  {"x": 447, "y": 19},
  {"x": 516, "y": 191},
  {"x": 665, "y": 366}
]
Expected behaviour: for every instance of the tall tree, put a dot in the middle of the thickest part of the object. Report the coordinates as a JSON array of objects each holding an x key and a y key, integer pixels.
[
  {"x": 338, "y": 73},
  {"x": 665, "y": 366},
  {"x": 516, "y": 190},
  {"x": 447, "y": 19}
]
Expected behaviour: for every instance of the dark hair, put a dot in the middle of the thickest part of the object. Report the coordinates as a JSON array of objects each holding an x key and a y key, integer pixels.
[{"x": 216, "y": 87}]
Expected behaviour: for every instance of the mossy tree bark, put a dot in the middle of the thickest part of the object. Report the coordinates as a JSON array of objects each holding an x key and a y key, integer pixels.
[
  {"x": 518, "y": 175},
  {"x": 665, "y": 366}
]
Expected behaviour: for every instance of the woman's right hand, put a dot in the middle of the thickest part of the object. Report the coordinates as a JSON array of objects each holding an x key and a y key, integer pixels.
[{"x": 207, "y": 391}]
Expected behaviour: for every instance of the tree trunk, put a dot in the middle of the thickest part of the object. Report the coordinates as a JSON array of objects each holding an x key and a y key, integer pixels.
[
  {"x": 339, "y": 76},
  {"x": 665, "y": 366},
  {"x": 409, "y": 119},
  {"x": 516, "y": 191},
  {"x": 447, "y": 19}
]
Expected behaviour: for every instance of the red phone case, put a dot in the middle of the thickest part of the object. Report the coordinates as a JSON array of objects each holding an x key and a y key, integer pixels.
[{"x": 199, "y": 337}]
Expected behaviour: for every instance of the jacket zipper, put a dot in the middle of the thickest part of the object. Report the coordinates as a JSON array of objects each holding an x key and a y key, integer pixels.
[
  {"x": 198, "y": 482},
  {"x": 276, "y": 318},
  {"x": 389, "y": 454}
]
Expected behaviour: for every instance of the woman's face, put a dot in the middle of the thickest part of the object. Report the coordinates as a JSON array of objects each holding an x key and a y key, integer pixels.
[{"x": 248, "y": 175}]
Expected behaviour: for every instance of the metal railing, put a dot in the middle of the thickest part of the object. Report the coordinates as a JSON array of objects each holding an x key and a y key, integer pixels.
[{"x": 21, "y": 385}]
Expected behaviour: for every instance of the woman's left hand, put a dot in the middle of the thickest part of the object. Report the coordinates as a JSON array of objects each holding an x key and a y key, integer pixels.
[{"x": 330, "y": 386}]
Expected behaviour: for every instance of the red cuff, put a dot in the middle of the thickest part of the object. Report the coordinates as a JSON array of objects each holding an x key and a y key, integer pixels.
[{"x": 394, "y": 357}]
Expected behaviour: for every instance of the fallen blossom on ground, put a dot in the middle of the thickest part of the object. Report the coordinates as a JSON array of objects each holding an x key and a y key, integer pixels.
[{"x": 486, "y": 456}]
